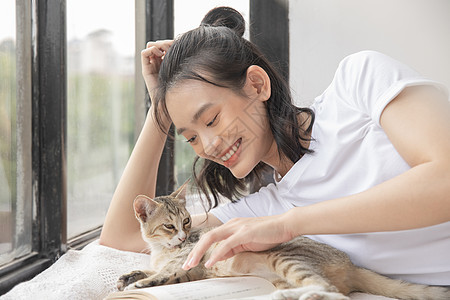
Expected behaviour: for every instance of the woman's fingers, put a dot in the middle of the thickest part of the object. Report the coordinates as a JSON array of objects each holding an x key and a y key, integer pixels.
[
  {"x": 231, "y": 238},
  {"x": 202, "y": 246},
  {"x": 239, "y": 235},
  {"x": 149, "y": 53},
  {"x": 212, "y": 260},
  {"x": 160, "y": 47},
  {"x": 226, "y": 249},
  {"x": 163, "y": 44},
  {"x": 153, "y": 55}
]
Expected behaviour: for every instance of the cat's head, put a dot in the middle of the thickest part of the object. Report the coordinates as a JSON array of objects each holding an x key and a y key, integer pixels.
[{"x": 164, "y": 220}]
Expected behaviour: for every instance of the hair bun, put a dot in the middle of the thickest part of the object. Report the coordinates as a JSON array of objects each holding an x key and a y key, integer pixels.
[{"x": 225, "y": 16}]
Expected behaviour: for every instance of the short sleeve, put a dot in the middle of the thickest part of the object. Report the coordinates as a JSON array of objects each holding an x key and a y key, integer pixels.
[
  {"x": 267, "y": 201},
  {"x": 369, "y": 80}
]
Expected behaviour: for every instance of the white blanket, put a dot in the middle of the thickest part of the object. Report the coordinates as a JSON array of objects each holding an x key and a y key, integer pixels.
[{"x": 91, "y": 274}]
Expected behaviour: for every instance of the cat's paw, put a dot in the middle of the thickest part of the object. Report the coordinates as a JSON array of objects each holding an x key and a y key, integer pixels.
[
  {"x": 307, "y": 293},
  {"x": 127, "y": 280},
  {"x": 151, "y": 281}
]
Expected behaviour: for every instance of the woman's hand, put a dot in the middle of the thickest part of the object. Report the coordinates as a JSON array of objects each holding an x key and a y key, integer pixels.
[
  {"x": 151, "y": 58},
  {"x": 239, "y": 235}
]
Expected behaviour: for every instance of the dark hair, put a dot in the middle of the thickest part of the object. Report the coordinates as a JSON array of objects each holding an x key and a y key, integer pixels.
[{"x": 216, "y": 53}]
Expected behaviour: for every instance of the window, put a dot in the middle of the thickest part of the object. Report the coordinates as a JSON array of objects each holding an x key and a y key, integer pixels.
[
  {"x": 100, "y": 106},
  {"x": 15, "y": 207},
  {"x": 90, "y": 92}
]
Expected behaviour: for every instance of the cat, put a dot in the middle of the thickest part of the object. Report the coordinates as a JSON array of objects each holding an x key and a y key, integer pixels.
[{"x": 300, "y": 269}]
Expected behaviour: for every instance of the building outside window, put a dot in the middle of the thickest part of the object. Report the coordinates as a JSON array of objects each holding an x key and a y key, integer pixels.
[
  {"x": 15, "y": 208},
  {"x": 100, "y": 106}
]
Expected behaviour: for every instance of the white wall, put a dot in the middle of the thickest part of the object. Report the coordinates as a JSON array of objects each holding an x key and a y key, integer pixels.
[{"x": 322, "y": 32}]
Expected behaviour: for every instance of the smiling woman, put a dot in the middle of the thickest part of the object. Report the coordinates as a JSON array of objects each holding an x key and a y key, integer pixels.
[
  {"x": 184, "y": 155},
  {"x": 253, "y": 96},
  {"x": 237, "y": 113},
  {"x": 222, "y": 127},
  {"x": 212, "y": 84}
]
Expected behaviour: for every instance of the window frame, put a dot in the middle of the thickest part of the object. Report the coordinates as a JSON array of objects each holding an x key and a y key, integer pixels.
[
  {"x": 41, "y": 38},
  {"x": 160, "y": 26},
  {"x": 263, "y": 33}
]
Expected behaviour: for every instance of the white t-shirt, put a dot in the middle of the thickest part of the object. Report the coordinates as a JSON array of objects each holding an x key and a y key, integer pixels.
[{"x": 352, "y": 154}]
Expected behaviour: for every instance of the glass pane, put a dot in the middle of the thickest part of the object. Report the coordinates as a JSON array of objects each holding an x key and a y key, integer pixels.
[
  {"x": 184, "y": 154},
  {"x": 184, "y": 158},
  {"x": 100, "y": 55},
  {"x": 15, "y": 218}
]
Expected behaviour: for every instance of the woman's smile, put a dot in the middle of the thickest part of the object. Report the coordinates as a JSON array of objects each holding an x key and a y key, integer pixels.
[
  {"x": 231, "y": 155},
  {"x": 219, "y": 124}
]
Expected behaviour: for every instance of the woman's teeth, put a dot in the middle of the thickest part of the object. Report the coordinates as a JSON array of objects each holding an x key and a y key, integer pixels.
[{"x": 231, "y": 152}]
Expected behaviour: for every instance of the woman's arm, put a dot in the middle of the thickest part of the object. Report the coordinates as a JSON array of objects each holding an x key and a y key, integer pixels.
[
  {"x": 205, "y": 220},
  {"x": 418, "y": 124},
  {"x": 121, "y": 229}
]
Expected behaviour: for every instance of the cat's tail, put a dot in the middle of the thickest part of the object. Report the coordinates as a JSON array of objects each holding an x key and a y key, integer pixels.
[{"x": 369, "y": 282}]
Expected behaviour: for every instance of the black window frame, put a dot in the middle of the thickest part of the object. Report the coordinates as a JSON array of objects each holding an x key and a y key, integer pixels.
[
  {"x": 48, "y": 88},
  {"x": 160, "y": 26},
  {"x": 272, "y": 37}
]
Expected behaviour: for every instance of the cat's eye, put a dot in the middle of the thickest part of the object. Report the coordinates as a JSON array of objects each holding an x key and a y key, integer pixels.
[
  {"x": 187, "y": 221},
  {"x": 169, "y": 226}
]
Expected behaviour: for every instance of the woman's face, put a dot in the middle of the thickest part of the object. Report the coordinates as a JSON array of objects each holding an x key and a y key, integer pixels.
[{"x": 221, "y": 125}]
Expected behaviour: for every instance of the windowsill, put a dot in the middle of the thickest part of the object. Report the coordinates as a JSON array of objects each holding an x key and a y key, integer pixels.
[
  {"x": 78, "y": 242},
  {"x": 20, "y": 270},
  {"x": 25, "y": 268}
]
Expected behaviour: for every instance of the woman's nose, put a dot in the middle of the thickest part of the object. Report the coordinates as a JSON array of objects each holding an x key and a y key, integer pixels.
[{"x": 212, "y": 146}]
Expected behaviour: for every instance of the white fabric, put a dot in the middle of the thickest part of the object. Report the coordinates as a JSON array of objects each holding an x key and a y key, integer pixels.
[
  {"x": 90, "y": 274},
  {"x": 353, "y": 154}
]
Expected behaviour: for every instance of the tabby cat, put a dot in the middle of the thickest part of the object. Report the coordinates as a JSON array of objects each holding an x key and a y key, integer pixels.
[{"x": 300, "y": 269}]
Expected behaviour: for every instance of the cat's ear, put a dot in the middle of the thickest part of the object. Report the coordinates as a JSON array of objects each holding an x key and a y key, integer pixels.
[
  {"x": 144, "y": 206},
  {"x": 180, "y": 193}
]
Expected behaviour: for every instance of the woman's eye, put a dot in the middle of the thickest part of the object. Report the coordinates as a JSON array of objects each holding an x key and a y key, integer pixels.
[
  {"x": 192, "y": 139},
  {"x": 169, "y": 226},
  {"x": 212, "y": 121}
]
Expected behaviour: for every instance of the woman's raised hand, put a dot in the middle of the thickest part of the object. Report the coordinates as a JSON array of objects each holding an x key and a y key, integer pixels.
[
  {"x": 151, "y": 58},
  {"x": 239, "y": 235}
]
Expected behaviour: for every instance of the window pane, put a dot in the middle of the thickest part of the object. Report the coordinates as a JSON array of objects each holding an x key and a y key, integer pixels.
[
  {"x": 100, "y": 105},
  {"x": 184, "y": 158},
  {"x": 15, "y": 217},
  {"x": 184, "y": 154}
]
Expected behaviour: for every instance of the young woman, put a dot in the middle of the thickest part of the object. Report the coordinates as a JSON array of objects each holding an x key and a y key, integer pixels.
[{"x": 365, "y": 169}]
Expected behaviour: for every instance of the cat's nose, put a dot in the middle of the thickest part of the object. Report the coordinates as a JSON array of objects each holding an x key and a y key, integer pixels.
[{"x": 182, "y": 236}]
